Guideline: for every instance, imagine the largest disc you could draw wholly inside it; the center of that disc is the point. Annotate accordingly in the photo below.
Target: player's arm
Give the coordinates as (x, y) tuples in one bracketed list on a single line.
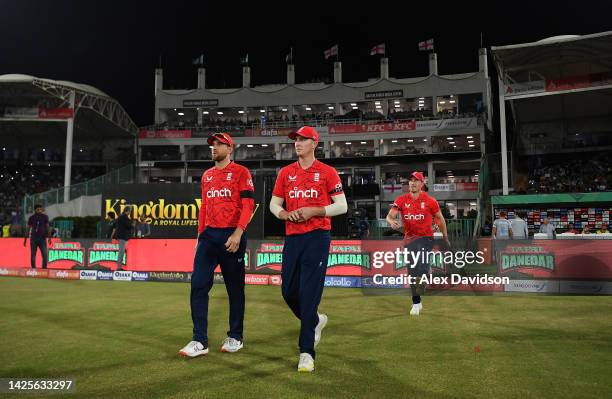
[(247, 200), (49, 232), (276, 203), (392, 219), (510, 231), (27, 234), (202, 214), (441, 222), (276, 207), (493, 232)]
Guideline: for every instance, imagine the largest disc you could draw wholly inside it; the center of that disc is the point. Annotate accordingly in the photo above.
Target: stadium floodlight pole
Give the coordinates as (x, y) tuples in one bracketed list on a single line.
[(502, 131), (69, 139)]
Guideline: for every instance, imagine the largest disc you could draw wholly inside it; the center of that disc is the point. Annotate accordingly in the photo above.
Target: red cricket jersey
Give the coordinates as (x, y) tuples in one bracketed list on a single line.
[(417, 214), (227, 197), (305, 188)]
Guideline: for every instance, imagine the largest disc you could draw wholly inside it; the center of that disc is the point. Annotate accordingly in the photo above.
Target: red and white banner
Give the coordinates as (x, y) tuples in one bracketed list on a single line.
[(378, 49), (276, 280), (426, 45), (164, 134), (55, 113), (256, 279), (373, 127), (270, 132), (467, 186), (393, 188), (579, 81), (405, 126), (456, 187), (65, 274), (331, 51)]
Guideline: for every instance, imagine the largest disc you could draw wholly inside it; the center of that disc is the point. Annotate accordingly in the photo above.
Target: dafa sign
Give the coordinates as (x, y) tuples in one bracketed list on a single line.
[(342, 255), (171, 210), (529, 259)]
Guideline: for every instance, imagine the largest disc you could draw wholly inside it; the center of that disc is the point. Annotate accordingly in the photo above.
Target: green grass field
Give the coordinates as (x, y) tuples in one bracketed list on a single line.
[(121, 340)]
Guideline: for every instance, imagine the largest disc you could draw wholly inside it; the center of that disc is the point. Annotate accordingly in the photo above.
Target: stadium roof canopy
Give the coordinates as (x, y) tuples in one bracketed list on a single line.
[(555, 65), (28, 103), (564, 77), (91, 105)]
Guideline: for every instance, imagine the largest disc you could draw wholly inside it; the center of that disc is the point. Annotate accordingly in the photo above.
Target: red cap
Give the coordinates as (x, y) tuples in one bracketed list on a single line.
[(418, 176), (306, 132), (222, 137)]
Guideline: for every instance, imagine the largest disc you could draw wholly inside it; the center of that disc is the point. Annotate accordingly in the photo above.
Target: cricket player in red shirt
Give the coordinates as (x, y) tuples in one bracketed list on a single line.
[(417, 210), (227, 207), (312, 193)]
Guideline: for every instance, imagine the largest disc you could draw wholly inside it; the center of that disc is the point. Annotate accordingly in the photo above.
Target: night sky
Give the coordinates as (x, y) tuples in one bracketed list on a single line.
[(115, 45)]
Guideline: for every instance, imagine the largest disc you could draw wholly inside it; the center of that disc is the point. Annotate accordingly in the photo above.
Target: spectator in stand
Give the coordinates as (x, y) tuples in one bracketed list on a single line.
[(603, 229), (519, 227), (571, 229), (502, 230), (111, 219), (586, 229), (143, 229), (548, 228)]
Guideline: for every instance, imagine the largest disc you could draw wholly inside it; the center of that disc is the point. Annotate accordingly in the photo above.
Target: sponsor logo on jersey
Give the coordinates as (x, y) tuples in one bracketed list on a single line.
[(292, 178), (414, 217), (222, 193), (297, 194)]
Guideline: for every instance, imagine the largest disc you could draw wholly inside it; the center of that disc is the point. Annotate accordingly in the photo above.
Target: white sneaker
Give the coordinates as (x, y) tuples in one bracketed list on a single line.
[(306, 364), (193, 349), (231, 345), (319, 328), (416, 309)]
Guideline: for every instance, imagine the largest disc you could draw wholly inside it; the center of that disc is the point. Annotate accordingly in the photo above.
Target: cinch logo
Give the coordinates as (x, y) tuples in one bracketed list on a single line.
[(413, 217), (223, 193), (297, 194)]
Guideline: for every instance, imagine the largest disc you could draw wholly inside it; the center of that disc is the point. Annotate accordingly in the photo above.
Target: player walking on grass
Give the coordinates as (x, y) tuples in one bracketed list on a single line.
[(312, 193), (417, 209), (227, 207)]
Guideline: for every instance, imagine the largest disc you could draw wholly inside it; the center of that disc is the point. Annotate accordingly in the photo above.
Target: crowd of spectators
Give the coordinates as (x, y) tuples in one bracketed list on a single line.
[(18, 180), (572, 175), (315, 118)]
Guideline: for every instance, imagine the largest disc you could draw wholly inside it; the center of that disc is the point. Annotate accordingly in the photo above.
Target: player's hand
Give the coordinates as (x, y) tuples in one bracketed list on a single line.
[(447, 242), (233, 242), (306, 212), (395, 225), (25, 241), (295, 216), (49, 241)]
